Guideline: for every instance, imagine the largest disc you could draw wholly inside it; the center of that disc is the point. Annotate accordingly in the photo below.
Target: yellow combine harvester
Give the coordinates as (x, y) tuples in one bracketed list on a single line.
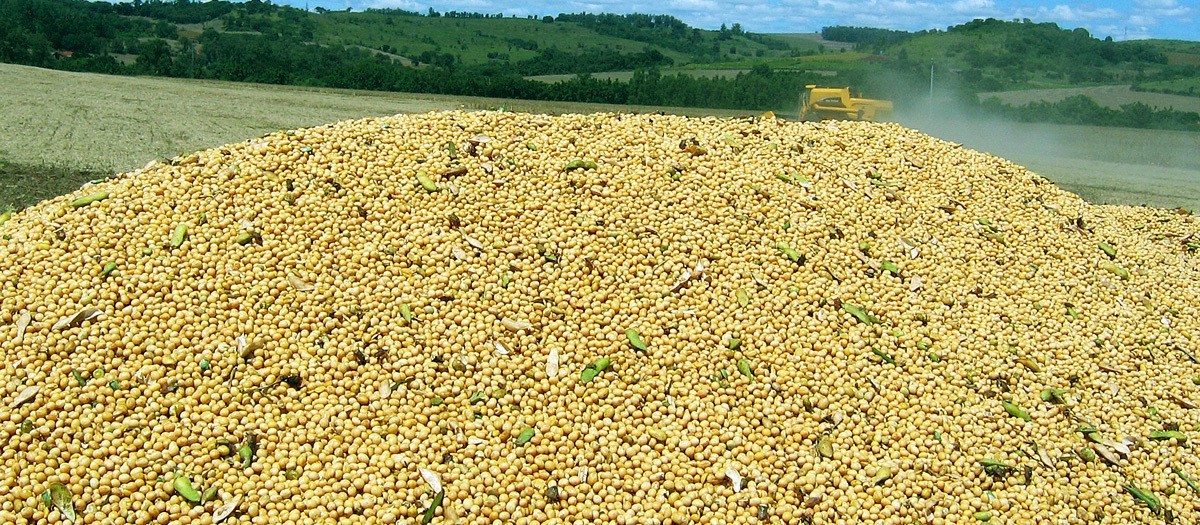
[(836, 103)]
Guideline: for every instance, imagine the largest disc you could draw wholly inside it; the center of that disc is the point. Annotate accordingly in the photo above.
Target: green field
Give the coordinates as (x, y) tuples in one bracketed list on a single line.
[(62, 129), (1108, 96)]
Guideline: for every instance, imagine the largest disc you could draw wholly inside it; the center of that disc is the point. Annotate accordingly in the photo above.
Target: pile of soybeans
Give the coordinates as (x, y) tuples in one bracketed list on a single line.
[(504, 318)]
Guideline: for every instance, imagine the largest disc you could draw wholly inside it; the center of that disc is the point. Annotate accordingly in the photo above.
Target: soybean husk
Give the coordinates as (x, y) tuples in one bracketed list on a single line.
[(58, 496), (225, 511), (88, 199), (1015, 411), (635, 339), (1146, 497), (183, 486), (108, 268), (427, 517), (406, 312), (178, 236), (23, 321)]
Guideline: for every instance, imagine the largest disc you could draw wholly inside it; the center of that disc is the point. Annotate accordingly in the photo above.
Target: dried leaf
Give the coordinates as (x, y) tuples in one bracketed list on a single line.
[(552, 363), (915, 284), (458, 253), (299, 284), (681, 281), (1106, 453), (743, 297), (58, 496), (225, 511), (473, 242), (432, 478), (23, 321), (515, 325), (735, 478), (247, 347), (26, 395), (500, 348), (78, 318)]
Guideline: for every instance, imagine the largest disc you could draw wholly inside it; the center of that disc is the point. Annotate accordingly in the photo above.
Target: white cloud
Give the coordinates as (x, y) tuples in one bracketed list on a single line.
[(973, 7)]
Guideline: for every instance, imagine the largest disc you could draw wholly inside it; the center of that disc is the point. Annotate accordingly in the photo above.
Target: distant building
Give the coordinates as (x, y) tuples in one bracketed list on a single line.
[(59, 55)]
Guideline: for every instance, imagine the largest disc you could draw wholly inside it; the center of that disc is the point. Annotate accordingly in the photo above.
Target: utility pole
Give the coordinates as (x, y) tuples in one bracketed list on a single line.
[(931, 82)]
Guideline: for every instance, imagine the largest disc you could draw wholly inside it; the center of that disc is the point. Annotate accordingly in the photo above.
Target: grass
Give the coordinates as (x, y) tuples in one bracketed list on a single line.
[(59, 129)]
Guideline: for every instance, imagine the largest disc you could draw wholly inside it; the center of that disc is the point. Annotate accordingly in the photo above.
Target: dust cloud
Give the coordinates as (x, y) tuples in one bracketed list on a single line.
[(1103, 165)]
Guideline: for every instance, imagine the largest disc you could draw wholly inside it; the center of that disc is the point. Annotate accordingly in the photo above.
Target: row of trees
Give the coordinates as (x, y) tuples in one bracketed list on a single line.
[(1082, 109)]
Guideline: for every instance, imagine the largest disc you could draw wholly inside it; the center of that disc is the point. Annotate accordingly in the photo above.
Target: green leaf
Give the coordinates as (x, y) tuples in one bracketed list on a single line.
[(1146, 497), (635, 339), (427, 517), (743, 297), (1185, 478), (883, 355), (248, 449), (860, 313), (406, 312), (108, 268), (526, 435)]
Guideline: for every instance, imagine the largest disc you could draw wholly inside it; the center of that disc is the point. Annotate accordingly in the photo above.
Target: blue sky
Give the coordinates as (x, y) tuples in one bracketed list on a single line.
[(1130, 19)]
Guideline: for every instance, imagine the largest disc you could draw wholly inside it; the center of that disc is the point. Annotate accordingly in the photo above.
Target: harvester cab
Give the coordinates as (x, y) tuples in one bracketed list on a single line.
[(836, 103)]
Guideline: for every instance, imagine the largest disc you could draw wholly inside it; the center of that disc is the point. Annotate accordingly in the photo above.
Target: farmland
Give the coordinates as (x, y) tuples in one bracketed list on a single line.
[(1108, 96)]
